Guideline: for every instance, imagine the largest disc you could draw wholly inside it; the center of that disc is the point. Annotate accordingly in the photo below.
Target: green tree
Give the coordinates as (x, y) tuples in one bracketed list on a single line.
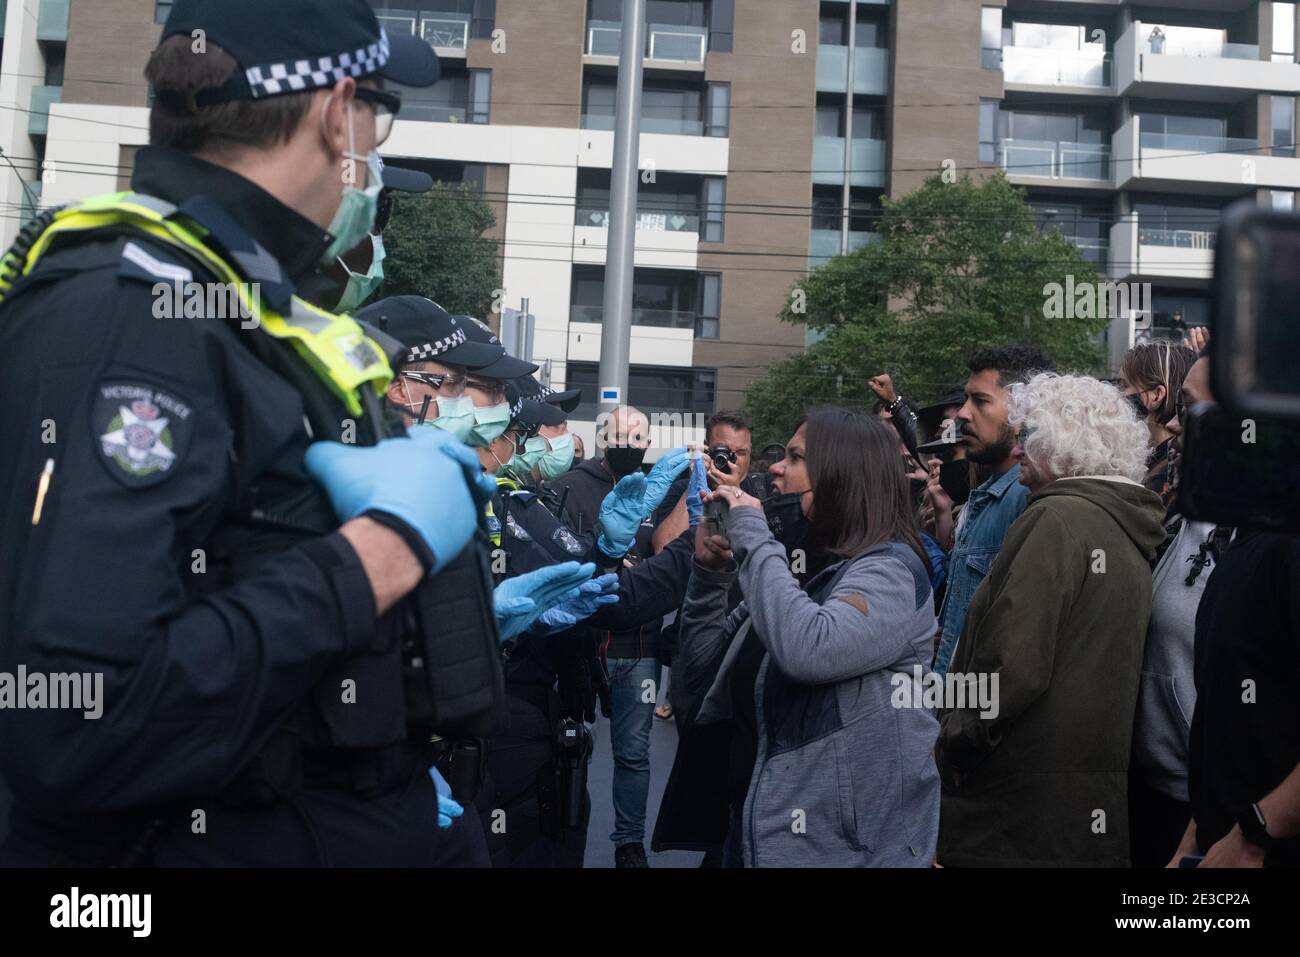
[(436, 248), (959, 266)]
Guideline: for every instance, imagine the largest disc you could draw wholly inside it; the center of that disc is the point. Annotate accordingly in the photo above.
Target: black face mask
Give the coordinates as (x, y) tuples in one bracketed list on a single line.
[(917, 488), (786, 519), (623, 459), (1138, 407), (954, 478)]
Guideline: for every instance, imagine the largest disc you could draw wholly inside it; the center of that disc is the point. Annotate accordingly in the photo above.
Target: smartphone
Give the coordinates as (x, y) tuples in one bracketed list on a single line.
[(1239, 470), (716, 514)]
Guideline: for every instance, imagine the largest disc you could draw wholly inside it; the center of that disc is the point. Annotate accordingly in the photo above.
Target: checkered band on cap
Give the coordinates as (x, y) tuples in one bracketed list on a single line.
[(546, 393), (431, 349), (301, 75), (517, 406)]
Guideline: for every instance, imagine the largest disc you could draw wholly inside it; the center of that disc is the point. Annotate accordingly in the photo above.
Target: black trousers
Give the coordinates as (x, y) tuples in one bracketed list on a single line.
[(1156, 823), (318, 828)]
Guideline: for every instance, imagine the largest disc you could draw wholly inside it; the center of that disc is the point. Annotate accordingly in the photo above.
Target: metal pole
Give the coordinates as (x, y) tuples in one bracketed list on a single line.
[(521, 333), (848, 130), (616, 324)]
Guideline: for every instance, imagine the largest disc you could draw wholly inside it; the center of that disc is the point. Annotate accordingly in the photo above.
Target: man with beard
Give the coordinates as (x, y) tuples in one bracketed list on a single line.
[(993, 506)]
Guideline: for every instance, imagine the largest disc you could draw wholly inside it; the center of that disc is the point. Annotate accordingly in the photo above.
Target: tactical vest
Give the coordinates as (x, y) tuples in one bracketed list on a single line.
[(432, 669)]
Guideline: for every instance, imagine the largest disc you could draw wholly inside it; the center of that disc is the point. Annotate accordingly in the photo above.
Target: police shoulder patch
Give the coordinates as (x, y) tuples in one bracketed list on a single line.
[(516, 529), (143, 432), (567, 540)]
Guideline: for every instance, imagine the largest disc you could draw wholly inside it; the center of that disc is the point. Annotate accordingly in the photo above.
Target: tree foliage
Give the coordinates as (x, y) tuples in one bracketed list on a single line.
[(436, 248), (959, 266)]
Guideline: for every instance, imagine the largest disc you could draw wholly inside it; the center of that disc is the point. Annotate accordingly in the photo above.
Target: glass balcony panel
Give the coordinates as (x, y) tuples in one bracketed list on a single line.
[(1056, 160), (449, 30), (871, 71), (43, 97), (1045, 67), (661, 318), (1178, 238), (1189, 143), (663, 41), (647, 221)]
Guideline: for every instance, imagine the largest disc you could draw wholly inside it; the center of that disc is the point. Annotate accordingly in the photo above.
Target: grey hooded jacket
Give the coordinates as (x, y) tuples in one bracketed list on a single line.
[(843, 778)]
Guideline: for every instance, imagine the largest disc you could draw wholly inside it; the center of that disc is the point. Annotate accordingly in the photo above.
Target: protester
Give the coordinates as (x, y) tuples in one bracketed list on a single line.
[(1150, 376), (1158, 801), (1058, 624), (1244, 748), (804, 674), (990, 509)]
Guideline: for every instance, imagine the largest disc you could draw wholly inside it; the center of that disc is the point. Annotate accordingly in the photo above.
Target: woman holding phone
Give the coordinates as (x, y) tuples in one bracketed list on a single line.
[(829, 763)]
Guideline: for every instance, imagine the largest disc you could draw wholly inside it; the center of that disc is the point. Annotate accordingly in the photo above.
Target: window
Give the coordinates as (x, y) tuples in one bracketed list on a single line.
[(833, 31), (1284, 32), (710, 306), (991, 38), (55, 56), (868, 123), (717, 109), (1282, 199), (162, 9), (650, 388), (713, 209), (480, 95), (989, 131), (828, 120), (870, 33), (826, 207), (1283, 126)]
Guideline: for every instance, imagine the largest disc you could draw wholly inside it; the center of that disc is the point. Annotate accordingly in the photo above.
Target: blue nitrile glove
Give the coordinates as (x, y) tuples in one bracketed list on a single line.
[(431, 482), (670, 465), (699, 482), (447, 808), (621, 514), (520, 600), (591, 595)]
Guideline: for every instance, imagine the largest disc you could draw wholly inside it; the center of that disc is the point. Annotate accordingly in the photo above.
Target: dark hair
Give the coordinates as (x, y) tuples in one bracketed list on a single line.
[(176, 72), (860, 491), (725, 417), (1015, 363)]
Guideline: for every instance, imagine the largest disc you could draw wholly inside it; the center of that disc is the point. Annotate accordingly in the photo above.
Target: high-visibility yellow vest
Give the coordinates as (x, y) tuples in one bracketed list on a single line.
[(335, 347)]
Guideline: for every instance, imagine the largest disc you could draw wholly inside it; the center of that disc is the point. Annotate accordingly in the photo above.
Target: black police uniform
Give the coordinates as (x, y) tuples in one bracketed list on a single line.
[(212, 592)]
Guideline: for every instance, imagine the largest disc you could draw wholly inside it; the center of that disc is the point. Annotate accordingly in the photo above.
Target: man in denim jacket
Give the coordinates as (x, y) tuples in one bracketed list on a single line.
[(994, 505)]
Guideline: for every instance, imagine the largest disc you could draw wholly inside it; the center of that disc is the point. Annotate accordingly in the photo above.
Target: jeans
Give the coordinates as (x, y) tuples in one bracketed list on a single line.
[(632, 712)]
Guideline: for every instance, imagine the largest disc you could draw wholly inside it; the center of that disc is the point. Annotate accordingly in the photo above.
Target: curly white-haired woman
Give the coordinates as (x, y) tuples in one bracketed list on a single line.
[(1041, 777)]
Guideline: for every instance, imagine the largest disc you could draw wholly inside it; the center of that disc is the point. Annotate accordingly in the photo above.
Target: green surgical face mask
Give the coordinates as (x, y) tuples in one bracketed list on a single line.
[(490, 423), (355, 217), (360, 287), (534, 449), (558, 457)]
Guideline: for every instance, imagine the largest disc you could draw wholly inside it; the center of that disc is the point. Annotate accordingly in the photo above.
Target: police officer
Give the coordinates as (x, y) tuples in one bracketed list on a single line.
[(208, 512)]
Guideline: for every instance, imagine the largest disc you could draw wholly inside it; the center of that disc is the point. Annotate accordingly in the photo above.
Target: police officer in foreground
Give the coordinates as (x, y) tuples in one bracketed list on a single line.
[(211, 512)]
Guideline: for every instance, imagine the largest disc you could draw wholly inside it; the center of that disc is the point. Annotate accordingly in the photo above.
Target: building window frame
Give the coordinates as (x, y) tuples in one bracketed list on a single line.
[(708, 306), (717, 109)]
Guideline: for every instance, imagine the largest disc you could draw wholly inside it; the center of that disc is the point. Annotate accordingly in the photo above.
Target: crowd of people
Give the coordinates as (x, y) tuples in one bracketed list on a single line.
[(356, 592)]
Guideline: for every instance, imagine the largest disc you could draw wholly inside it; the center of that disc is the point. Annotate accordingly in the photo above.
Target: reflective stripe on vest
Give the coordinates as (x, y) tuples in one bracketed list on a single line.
[(335, 347)]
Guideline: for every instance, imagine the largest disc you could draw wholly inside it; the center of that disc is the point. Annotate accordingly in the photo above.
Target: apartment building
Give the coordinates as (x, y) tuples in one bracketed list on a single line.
[(770, 131)]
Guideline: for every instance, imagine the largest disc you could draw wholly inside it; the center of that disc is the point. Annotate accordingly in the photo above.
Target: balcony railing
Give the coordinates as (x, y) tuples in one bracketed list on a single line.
[(43, 97), (662, 318), (870, 70), (1189, 143), (1046, 67), (1059, 160), (444, 30), (650, 123), (1177, 238), (1196, 42), (52, 21), (647, 221), (663, 42)]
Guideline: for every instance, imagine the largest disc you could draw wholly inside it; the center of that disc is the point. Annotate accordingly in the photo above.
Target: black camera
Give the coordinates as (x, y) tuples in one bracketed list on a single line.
[(723, 458)]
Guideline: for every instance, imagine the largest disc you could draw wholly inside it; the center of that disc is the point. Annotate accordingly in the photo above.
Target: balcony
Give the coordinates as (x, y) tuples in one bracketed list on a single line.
[(1041, 66), (647, 221), (446, 32), (659, 318), (31, 202), (673, 125), (868, 162), (1210, 165), (43, 97), (1196, 64), (664, 43), (1043, 159), (1160, 253), (52, 21), (870, 70)]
